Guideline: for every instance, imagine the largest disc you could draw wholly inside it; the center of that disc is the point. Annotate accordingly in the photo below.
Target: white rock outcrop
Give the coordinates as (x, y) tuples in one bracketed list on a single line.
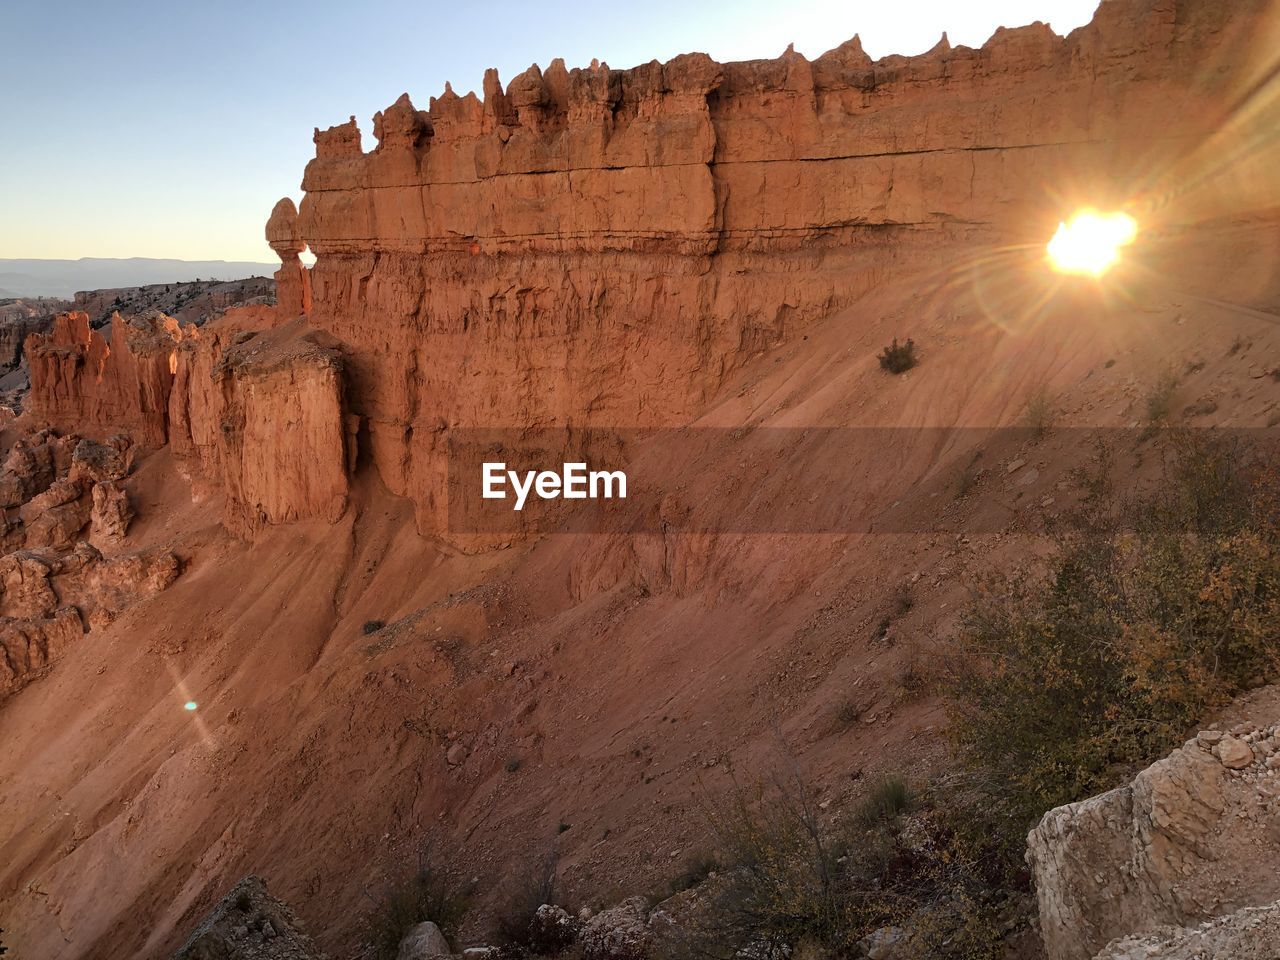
[(1195, 836)]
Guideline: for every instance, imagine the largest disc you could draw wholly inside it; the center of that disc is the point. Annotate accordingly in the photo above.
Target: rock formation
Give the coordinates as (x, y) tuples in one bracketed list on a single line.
[(84, 382), (684, 216), (1191, 838), (249, 924), (64, 501), (1250, 934), (18, 320), (258, 416), (197, 301), (602, 247), (293, 282)]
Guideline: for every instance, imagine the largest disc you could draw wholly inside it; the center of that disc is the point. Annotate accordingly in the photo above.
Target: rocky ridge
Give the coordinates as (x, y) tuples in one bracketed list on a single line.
[(1192, 838), (249, 924)]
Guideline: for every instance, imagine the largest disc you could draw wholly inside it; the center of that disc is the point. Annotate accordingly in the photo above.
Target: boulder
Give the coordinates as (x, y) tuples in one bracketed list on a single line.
[(619, 933), (1234, 754), (424, 942), (1191, 838)]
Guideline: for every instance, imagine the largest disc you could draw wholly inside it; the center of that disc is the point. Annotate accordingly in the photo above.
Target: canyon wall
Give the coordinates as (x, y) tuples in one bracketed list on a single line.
[(251, 410), (602, 247), (258, 415)]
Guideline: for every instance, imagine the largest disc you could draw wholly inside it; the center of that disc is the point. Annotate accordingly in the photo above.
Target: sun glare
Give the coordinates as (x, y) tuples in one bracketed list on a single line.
[(1090, 242)]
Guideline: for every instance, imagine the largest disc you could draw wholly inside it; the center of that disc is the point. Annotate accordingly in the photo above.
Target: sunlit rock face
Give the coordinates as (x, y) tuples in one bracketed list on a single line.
[(100, 384), (599, 247), (602, 246), (256, 414)]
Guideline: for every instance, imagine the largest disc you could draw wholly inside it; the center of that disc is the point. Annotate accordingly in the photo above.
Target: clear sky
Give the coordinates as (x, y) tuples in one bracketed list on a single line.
[(169, 129)]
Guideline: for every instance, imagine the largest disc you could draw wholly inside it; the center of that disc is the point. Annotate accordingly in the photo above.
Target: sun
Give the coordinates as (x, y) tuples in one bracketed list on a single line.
[(1090, 242)]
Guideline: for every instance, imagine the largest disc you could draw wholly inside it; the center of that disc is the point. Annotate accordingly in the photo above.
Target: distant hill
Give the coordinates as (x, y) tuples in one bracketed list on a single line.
[(63, 278), (7, 294)]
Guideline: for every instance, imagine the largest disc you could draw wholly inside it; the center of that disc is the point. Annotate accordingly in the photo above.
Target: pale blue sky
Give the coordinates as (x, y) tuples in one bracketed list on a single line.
[(140, 128)]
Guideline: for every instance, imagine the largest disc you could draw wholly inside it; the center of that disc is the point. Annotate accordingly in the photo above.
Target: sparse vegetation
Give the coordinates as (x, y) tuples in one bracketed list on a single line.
[(912, 680), (517, 929), (1152, 613), (372, 626), (1159, 399), (848, 712), (900, 603), (427, 894), (791, 875), (513, 764), (886, 800), (898, 358), (1040, 412)]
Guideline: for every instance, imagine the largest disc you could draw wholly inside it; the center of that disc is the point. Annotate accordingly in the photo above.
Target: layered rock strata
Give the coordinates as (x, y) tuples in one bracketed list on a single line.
[(602, 247)]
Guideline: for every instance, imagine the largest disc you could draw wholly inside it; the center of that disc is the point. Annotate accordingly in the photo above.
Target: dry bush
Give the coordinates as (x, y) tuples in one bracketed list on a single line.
[(518, 930), (1041, 412), (1159, 399), (427, 894), (1152, 613), (898, 357), (793, 880)]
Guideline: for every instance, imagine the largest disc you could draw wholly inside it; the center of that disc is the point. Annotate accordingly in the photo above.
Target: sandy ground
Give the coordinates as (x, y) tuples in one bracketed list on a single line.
[(594, 691)]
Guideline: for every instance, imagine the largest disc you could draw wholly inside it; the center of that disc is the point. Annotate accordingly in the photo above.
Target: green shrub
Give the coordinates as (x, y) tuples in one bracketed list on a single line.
[(887, 800), (427, 894), (898, 358), (1152, 613)]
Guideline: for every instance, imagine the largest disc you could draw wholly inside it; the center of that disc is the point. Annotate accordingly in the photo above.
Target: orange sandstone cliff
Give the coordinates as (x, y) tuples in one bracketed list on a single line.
[(600, 246)]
